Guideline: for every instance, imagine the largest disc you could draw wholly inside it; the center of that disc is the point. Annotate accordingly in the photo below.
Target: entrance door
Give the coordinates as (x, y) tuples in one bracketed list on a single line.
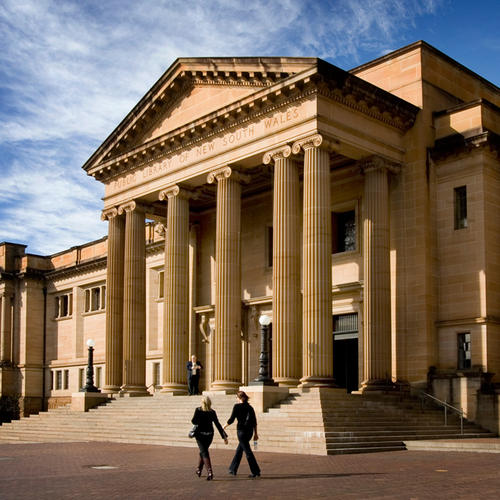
[(345, 351)]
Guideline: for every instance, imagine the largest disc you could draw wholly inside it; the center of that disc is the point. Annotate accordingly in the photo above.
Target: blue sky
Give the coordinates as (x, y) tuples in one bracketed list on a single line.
[(71, 70)]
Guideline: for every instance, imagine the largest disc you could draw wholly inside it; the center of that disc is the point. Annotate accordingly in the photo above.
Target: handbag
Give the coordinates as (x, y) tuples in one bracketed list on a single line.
[(192, 432)]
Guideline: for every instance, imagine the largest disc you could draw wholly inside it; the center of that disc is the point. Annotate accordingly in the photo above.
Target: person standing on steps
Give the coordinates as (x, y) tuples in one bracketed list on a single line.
[(193, 375), (246, 427), (204, 417)]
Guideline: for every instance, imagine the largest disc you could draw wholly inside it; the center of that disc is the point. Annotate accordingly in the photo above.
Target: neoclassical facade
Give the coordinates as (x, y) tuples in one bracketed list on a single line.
[(359, 209)]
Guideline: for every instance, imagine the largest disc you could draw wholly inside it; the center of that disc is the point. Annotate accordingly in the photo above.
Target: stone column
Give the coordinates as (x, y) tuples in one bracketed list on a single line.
[(134, 301), (6, 325), (176, 316), (317, 338), (377, 277), (114, 300), (193, 272), (286, 268), (226, 370)]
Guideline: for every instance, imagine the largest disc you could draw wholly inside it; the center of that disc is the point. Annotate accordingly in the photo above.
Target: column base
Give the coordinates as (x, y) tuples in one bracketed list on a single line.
[(378, 385), (287, 382), (134, 391), (317, 382), (111, 389), (227, 386), (268, 382), (174, 389)]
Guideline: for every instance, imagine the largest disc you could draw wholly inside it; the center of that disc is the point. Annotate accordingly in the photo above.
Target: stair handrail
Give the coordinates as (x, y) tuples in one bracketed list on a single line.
[(446, 406)]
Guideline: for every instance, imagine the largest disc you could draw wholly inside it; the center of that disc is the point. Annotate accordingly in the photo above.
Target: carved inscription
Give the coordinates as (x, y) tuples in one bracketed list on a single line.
[(197, 153), (281, 119)]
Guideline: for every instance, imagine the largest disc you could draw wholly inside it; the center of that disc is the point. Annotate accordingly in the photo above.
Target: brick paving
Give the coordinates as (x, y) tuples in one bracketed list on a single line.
[(64, 470)]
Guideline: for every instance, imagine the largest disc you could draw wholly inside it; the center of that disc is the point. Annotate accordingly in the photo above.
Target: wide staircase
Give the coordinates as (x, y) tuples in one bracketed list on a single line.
[(318, 421)]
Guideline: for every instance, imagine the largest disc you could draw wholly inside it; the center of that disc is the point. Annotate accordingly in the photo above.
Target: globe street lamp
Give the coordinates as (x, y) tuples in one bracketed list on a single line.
[(264, 378), (89, 386)]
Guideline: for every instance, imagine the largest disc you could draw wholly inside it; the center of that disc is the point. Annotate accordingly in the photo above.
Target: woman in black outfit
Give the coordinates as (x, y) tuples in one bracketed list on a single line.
[(247, 426), (204, 417)]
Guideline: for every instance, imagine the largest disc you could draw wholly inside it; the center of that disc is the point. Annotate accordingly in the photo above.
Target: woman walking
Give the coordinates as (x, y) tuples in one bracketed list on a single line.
[(246, 427), (204, 417)]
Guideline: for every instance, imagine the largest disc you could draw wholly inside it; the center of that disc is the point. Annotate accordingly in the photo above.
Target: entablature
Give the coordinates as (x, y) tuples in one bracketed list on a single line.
[(322, 79)]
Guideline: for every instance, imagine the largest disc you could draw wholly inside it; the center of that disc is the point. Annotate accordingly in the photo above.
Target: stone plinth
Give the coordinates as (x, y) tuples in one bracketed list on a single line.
[(263, 397), (83, 401), (7, 381)]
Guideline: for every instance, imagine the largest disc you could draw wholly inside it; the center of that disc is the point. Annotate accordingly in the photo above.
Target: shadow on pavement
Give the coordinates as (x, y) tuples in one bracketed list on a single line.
[(295, 476)]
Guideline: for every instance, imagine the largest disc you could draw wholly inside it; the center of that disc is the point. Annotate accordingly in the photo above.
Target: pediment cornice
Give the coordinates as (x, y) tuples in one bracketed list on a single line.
[(183, 75), (321, 79)]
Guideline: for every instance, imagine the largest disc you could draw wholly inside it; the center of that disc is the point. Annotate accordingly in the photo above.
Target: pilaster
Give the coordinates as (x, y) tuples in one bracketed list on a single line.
[(286, 268), (6, 296)]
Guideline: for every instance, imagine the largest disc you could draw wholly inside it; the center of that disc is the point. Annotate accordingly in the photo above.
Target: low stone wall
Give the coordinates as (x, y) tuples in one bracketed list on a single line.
[(58, 402), (488, 411)]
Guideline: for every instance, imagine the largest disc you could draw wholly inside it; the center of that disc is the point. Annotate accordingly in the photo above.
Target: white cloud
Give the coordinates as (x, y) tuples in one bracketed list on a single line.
[(70, 71)]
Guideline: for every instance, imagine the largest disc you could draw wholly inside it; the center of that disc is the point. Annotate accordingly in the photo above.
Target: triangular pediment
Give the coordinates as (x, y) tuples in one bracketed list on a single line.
[(189, 89), (196, 102)]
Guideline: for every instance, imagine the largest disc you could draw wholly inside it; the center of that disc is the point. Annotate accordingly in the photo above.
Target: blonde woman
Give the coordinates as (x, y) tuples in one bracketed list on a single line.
[(204, 417)]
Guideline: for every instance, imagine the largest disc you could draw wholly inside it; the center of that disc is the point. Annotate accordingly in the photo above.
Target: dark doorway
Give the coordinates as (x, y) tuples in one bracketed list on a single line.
[(345, 351)]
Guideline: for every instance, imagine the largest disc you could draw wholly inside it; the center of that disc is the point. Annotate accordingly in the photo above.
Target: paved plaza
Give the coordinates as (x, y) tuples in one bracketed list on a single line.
[(125, 471)]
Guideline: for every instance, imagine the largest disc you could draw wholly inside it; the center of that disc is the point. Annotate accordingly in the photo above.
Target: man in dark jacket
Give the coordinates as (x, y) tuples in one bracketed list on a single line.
[(193, 375)]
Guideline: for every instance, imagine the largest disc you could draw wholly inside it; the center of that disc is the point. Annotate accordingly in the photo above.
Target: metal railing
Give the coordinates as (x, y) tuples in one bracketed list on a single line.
[(446, 407)]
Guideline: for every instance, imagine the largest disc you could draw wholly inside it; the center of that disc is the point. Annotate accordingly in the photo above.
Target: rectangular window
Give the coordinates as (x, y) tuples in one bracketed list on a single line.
[(345, 326), (461, 207), (95, 299), (66, 379), (343, 231), (51, 380), (58, 380), (156, 374), (64, 305), (81, 374), (161, 284), (98, 375), (269, 245), (464, 354)]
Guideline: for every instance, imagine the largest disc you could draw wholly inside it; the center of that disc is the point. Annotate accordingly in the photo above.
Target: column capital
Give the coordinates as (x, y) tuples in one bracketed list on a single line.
[(314, 141), (275, 154), (225, 173), (131, 206), (373, 163), (176, 191), (109, 213)]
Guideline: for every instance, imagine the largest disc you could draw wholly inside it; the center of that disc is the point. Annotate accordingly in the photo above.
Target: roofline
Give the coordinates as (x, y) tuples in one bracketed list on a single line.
[(431, 48), (171, 71)]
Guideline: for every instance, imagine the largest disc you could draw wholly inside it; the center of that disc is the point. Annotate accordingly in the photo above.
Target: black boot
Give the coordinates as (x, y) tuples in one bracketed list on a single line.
[(208, 465), (200, 466)]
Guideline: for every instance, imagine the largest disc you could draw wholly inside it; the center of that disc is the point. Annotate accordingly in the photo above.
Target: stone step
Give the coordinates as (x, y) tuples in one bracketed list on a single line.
[(307, 422)]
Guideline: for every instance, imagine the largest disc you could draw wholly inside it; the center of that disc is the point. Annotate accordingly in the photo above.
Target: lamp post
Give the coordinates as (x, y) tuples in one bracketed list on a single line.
[(264, 378), (89, 386)]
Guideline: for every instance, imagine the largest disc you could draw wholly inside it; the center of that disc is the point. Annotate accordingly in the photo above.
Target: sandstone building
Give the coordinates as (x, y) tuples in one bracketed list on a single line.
[(359, 209)]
